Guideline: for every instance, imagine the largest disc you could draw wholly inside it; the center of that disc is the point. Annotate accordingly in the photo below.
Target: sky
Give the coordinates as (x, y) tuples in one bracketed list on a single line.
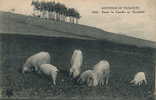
[(140, 25)]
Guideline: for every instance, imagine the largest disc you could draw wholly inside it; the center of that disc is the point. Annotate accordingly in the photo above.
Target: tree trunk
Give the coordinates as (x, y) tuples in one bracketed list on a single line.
[(70, 20), (154, 58), (57, 16), (73, 20), (77, 21), (155, 81)]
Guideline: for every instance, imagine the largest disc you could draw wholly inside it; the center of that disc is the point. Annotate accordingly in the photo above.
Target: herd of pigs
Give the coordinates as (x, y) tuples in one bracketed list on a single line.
[(98, 75)]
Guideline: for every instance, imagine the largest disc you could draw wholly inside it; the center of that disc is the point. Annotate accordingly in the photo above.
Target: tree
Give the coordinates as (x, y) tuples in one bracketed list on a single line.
[(42, 8), (69, 14), (51, 9), (62, 12), (73, 14), (36, 5), (57, 11), (77, 16)]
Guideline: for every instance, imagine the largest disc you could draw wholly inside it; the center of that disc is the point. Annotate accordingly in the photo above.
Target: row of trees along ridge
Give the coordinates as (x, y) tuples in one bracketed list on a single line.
[(55, 11)]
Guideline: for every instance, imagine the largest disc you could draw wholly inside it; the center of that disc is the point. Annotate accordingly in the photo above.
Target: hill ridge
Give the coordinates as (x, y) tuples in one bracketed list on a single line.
[(28, 25)]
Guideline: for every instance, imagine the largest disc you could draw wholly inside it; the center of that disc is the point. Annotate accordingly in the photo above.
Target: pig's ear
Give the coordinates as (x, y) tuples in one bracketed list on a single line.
[(23, 72), (89, 81), (57, 70), (132, 81)]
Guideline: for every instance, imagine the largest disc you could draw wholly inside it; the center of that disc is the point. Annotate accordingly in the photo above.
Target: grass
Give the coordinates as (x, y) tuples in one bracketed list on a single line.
[(125, 61)]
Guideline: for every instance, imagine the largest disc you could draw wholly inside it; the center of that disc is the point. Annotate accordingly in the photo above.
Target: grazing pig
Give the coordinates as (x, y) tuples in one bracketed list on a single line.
[(89, 77), (102, 70), (35, 61), (139, 79), (76, 62), (98, 76), (49, 70)]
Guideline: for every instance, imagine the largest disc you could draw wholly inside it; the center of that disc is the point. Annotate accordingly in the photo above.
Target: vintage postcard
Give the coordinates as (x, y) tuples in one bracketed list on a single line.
[(78, 49)]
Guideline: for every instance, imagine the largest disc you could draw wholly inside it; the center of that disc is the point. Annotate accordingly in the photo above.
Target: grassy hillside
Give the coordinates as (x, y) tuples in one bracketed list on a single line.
[(21, 24), (124, 64), (21, 36)]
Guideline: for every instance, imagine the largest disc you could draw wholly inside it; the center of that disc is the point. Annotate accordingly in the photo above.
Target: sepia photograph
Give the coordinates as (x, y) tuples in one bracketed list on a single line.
[(78, 49)]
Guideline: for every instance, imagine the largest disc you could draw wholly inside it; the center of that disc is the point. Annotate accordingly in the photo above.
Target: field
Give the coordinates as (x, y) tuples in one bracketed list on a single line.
[(125, 62)]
